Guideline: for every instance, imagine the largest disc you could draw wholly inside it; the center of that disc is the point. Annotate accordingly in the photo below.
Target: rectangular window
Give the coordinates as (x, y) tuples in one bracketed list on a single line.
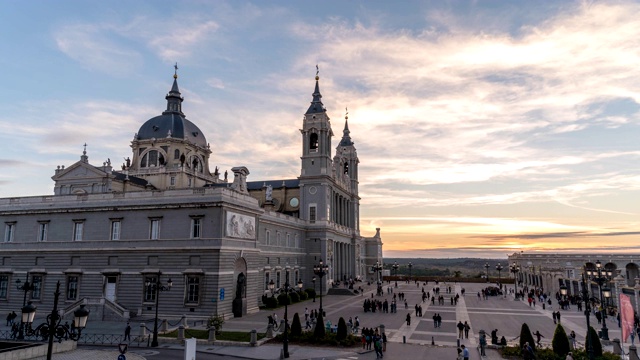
[(268, 240), (9, 230), (173, 181), (193, 289), (78, 229), (115, 230), (297, 241), (37, 287), (4, 285), (149, 294), (42, 231), (278, 241), (266, 281), (72, 287), (195, 228), (278, 280), (312, 214), (154, 233)]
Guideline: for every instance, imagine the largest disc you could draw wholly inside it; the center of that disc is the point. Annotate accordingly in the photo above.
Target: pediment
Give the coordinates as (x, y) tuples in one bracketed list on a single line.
[(79, 170)]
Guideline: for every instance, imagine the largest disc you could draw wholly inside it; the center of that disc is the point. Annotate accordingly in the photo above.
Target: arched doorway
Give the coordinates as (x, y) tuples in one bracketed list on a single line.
[(631, 274)]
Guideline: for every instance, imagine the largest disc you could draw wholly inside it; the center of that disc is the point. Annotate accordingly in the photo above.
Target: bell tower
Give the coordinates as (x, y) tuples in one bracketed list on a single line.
[(316, 137)]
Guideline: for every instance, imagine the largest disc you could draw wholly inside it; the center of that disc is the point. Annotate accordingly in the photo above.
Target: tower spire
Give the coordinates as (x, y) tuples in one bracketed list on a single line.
[(174, 98), (346, 137), (316, 103)]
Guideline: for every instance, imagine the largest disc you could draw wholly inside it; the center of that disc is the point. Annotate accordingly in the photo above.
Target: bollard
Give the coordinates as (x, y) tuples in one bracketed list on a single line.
[(617, 349), (212, 334), (633, 353), (433, 341), (184, 321), (404, 339), (164, 327), (143, 330), (269, 331), (254, 337), (180, 333), (457, 342)]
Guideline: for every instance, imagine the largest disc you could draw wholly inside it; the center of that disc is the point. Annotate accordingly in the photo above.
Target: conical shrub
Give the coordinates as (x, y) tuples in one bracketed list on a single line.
[(560, 342), (296, 327), (526, 337), (342, 330), (319, 331), (592, 338)]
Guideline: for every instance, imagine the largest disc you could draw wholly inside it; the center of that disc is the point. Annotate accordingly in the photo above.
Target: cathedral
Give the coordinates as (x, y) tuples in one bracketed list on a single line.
[(164, 217)]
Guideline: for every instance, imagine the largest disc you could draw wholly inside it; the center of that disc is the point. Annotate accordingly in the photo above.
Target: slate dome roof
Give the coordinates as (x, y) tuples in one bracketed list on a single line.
[(158, 127)]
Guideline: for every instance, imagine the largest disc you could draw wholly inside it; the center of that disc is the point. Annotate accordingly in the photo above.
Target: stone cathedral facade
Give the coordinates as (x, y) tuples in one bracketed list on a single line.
[(164, 214)]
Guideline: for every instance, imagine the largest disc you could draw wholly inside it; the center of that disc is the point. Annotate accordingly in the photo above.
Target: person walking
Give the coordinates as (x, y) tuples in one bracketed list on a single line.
[(527, 352), (408, 319), (483, 343), (127, 332), (465, 352), (572, 337), (467, 327), (538, 337)]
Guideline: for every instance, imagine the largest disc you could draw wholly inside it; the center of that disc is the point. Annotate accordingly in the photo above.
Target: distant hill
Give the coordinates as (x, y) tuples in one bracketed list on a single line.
[(468, 267)]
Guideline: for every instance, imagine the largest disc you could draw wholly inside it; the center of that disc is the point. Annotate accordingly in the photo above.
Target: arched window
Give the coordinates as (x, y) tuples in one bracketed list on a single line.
[(313, 142), (346, 168), (176, 154), (151, 159)]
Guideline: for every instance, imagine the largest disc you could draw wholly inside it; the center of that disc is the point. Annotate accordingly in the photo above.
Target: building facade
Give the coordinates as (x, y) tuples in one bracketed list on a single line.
[(550, 271), (106, 232)]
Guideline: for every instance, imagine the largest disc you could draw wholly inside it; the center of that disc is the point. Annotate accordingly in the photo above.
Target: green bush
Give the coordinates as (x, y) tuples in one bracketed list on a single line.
[(341, 334), (592, 337), (272, 302), (560, 342), (284, 299), (296, 327), (295, 297), (526, 337), (303, 295), (311, 293), (319, 331)]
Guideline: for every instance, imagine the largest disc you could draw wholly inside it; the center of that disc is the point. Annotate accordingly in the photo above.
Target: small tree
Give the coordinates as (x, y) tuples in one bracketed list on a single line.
[(272, 302), (526, 337), (294, 296), (296, 327), (319, 331), (560, 342), (592, 337), (215, 322), (342, 330), (311, 293)]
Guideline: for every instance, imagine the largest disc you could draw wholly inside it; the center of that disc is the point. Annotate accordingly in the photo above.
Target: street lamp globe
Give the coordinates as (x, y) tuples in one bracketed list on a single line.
[(28, 313), (299, 284), (563, 290), (80, 317), (271, 285)]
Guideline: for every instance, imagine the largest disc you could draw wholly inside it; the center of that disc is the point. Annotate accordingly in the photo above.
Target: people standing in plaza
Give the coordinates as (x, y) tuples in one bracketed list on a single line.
[(527, 352), (408, 319), (572, 338), (467, 327), (459, 357), (558, 316), (483, 343), (460, 327), (306, 314)]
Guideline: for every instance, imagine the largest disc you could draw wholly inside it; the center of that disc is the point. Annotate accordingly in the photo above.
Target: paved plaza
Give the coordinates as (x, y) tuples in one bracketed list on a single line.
[(419, 340)]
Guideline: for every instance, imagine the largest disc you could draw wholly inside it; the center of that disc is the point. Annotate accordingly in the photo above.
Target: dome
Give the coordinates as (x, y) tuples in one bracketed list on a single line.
[(172, 125)]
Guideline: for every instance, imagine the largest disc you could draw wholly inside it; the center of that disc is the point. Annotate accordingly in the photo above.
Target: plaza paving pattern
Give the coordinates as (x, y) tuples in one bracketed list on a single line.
[(423, 340)]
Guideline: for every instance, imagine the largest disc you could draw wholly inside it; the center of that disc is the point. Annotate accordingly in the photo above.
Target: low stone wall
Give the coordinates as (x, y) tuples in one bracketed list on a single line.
[(38, 351)]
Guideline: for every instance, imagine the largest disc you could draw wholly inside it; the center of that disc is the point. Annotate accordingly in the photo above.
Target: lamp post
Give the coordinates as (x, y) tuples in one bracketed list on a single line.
[(377, 268), (515, 269), (602, 276), (285, 340), (587, 311), (395, 267), (157, 287), (410, 266), (321, 270), (499, 268), (52, 328), (26, 287), (313, 280), (487, 266)]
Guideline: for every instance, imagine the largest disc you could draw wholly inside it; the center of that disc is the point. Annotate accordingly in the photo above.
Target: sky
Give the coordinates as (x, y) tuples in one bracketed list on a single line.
[(483, 128)]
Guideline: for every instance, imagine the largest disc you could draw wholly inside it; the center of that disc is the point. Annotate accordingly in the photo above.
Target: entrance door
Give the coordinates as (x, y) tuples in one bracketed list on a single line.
[(110, 288)]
